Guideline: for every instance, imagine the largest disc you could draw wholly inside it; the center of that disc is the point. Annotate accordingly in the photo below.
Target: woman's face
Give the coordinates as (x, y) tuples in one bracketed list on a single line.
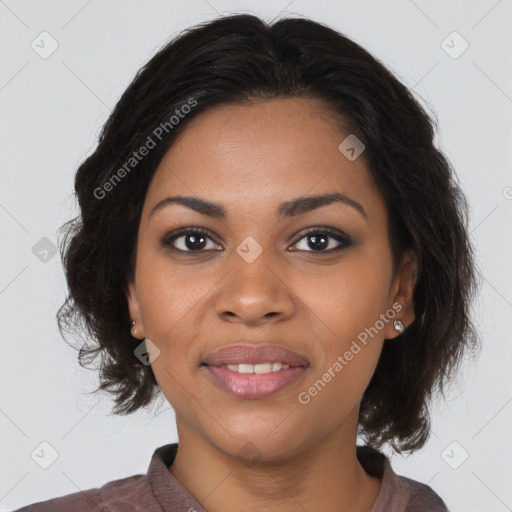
[(265, 273)]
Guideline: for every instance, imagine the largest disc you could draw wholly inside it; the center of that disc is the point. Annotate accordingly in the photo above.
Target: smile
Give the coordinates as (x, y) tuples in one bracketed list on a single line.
[(256, 368)]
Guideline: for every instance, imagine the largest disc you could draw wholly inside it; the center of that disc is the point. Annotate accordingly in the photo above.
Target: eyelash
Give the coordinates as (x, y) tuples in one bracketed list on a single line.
[(168, 240)]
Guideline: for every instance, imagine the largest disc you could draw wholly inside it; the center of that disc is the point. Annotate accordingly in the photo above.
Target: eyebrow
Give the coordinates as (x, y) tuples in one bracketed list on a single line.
[(290, 208)]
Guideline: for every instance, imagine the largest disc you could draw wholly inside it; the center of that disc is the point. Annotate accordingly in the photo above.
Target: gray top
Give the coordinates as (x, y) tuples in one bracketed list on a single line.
[(160, 491)]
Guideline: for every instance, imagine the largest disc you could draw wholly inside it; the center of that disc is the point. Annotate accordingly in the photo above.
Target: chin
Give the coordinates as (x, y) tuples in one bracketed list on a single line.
[(253, 445)]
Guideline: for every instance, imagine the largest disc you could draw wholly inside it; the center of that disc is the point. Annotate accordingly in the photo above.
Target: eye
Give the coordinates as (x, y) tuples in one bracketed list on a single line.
[(190, 240), (194, 239), (320, 239)]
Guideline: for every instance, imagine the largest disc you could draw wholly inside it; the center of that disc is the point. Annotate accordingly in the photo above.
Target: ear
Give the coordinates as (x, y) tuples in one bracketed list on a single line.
[(402, 294), (134, 308)]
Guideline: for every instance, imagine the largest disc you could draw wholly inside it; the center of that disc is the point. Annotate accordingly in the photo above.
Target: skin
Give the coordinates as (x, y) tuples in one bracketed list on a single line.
[(252, 158)]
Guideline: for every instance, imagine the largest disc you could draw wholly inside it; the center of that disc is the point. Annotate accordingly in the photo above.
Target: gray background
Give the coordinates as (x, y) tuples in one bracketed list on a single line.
[(51, 112)]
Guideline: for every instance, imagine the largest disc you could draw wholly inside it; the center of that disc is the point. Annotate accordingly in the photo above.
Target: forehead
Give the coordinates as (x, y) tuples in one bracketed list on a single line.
[(260, 153)]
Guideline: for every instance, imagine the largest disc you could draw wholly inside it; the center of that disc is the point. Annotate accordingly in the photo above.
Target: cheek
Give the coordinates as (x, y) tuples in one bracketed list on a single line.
[(348, 308), (348, 300), (169, 301), (348, 305), (168, 294), (168, 305)]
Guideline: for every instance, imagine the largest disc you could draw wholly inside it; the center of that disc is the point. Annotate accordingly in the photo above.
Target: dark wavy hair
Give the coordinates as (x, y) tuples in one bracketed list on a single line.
[(233, 60)]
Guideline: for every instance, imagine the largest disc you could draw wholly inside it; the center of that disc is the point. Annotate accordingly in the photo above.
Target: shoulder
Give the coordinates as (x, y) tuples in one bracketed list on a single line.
[(79, 501), (116, 496), (137, 493), (422, 498), (398, 493)]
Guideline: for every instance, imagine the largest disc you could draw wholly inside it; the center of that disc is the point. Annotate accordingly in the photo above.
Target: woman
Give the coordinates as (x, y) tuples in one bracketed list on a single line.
[(268, 235)]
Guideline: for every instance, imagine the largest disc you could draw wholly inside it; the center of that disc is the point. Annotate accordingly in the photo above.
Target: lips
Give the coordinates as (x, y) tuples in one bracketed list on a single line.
[(255, 386), (254, 354)]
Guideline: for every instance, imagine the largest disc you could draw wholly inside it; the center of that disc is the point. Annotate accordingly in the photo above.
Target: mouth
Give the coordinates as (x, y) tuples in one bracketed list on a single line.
[(254, 372), (259, 368)]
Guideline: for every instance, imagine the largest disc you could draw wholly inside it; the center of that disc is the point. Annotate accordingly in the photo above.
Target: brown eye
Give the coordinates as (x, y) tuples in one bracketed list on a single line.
[(321, 240), (190, 240)]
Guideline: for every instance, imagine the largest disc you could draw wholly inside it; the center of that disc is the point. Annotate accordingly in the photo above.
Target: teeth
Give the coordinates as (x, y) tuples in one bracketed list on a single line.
[(257, 368)]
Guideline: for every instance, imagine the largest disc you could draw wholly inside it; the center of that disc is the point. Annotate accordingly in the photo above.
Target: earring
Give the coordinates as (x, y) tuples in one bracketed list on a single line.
[(133, 329), (399, 326)]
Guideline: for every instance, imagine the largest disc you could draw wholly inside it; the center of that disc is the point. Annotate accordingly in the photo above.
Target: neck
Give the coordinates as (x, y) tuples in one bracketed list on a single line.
[(325, 476)]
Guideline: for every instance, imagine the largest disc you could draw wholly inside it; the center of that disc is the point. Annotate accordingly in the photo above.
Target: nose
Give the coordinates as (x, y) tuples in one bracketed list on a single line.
[(255, 293)]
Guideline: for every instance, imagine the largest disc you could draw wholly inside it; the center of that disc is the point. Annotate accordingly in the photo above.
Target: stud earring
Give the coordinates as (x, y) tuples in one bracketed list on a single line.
[(399, 326), (133, 329)]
